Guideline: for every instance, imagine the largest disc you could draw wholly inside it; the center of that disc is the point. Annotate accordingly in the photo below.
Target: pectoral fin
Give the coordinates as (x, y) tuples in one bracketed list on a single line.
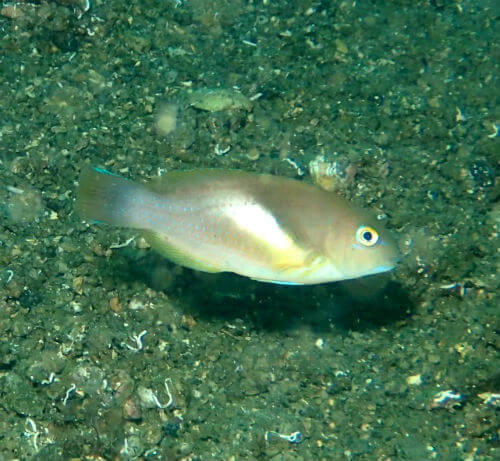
[(295, 268)]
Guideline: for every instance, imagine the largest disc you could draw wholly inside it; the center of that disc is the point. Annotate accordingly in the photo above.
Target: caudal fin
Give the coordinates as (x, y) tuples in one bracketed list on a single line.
[(104, 197)]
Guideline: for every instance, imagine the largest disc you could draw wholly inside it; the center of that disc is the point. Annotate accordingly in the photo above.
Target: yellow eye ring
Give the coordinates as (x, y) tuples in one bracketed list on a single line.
[(367, 236)]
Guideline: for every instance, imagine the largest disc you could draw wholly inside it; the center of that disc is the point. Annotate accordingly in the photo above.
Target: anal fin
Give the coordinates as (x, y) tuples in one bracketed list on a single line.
[(174, 254)]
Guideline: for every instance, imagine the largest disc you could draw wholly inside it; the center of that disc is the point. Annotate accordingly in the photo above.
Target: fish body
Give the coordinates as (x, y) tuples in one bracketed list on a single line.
[(261, 226)]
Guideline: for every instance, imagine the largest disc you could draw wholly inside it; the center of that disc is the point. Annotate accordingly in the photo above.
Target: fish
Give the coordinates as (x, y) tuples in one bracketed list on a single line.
[(265, 227)]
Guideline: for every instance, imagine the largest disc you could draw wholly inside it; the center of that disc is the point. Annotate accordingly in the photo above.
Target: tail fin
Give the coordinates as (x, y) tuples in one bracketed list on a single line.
[(104, 197)]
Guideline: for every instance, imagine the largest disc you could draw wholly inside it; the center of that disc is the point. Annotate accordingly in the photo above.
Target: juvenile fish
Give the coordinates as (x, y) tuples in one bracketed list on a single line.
[(268, 228)]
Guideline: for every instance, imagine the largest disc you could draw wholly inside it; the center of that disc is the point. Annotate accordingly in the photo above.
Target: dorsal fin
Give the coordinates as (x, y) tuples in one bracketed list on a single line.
[(173, 180)]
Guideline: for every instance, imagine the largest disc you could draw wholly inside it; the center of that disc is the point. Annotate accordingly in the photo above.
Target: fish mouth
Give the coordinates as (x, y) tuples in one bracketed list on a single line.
[(396, 259), (388, 266), (380, 269)]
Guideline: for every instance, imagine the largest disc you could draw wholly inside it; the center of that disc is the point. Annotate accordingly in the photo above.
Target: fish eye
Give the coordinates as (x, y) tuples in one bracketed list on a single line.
[(367, 236)]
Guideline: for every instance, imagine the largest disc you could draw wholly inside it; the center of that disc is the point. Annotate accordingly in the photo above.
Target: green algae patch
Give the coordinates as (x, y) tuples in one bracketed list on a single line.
[(218, 99)]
